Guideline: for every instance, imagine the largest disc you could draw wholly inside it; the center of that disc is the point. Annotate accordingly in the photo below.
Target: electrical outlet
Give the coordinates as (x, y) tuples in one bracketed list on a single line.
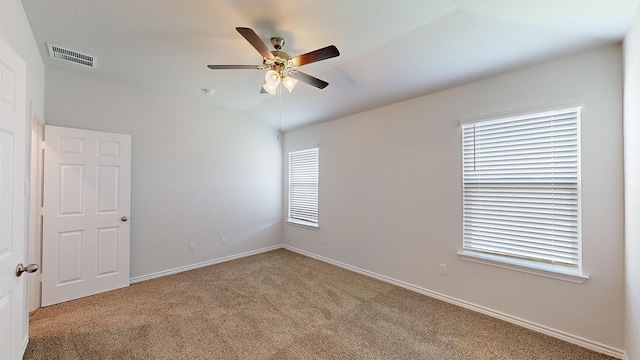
[(443, 269), (223, 240), (192, 246)]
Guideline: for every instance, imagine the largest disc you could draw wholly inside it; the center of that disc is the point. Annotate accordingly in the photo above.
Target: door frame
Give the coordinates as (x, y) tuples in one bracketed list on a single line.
[(36, 183)]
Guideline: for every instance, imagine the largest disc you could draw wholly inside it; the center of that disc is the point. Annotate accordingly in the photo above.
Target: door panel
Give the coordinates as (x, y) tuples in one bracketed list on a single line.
[(86, 194), (6, 319), (14, 326), (108, 189), (70, 257), (107, 251), (71, 190), (6, 192)]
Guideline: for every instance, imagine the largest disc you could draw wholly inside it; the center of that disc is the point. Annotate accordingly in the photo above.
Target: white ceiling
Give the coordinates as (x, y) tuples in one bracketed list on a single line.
[(390, 50)]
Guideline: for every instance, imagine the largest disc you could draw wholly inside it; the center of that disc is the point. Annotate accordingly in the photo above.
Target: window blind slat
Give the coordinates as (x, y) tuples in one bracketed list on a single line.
[(303, 185), (547, 250), (520, 187)]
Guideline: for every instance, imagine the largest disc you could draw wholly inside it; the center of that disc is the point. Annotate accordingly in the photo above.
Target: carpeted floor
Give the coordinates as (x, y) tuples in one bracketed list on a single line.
[(278, 305)]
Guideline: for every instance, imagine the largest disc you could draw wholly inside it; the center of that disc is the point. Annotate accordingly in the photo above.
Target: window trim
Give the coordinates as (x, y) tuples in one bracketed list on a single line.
[(552, 271), (556, 271), (299, 222), (303, 224)]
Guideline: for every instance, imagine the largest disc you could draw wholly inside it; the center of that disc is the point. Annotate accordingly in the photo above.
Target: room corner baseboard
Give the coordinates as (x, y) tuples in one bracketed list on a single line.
[(25, 343), (577, 340), (158, 274)]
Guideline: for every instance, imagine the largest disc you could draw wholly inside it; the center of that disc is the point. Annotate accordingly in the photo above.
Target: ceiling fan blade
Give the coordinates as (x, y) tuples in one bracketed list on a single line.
[(317, 55), (255, 41), (262, 90), (234, 67), (311, 80)]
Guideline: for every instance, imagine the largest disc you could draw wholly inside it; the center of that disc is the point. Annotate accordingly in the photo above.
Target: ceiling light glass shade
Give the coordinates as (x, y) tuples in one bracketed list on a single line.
[(271, 89), (272, 78), (290, 83)]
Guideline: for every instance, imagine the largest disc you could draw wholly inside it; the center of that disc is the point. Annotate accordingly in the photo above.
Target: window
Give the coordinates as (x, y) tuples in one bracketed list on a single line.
[(303, 187), (521, 193)]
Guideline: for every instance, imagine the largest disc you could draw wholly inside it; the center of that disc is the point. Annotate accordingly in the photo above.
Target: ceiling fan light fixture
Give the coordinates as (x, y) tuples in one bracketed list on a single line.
[(272, 78), (271, 89), (290, 83)]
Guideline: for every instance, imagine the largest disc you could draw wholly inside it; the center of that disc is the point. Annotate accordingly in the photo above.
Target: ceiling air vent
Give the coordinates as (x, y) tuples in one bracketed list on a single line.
[(71, 55)]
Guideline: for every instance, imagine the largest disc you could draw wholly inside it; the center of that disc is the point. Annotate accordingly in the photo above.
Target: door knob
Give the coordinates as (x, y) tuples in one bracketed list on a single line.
[(124, 218), (31, 268)]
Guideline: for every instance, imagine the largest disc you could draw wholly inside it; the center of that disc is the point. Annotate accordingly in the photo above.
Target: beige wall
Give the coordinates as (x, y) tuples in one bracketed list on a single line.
[(632, 186), (199, 172), (390, 196)]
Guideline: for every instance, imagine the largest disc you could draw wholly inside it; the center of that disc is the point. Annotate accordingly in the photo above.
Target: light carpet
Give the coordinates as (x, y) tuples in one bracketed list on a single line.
[(278, 305)]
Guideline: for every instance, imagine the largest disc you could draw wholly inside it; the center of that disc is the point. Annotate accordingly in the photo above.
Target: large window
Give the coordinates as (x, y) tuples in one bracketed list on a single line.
[(521, 190), (303, 187)]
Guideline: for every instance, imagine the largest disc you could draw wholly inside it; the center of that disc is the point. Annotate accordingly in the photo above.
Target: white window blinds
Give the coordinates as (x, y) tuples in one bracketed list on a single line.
[(521, 187), (303, 187)]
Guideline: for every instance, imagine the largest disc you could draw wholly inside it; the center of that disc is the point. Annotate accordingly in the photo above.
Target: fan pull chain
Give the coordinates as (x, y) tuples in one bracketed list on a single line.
[(279, 90)]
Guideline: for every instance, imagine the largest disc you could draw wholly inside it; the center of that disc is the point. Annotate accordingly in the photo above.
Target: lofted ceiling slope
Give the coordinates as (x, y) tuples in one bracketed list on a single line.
[(390, 50)]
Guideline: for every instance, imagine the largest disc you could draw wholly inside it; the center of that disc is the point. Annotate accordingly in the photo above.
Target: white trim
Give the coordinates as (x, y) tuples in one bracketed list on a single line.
[(24, 345), (577, 340), (35, 207), (579, 154), (625, 356), (304, 224), (521, 112), (529, 267), (180, 269), (302, 147)]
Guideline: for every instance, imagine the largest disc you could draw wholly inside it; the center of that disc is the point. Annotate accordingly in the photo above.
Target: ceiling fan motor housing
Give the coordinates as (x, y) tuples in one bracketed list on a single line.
[(277, 42)]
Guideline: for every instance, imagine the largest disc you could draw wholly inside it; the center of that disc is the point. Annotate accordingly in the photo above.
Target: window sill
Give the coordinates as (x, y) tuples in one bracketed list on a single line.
[(529, 267), (303, 224)]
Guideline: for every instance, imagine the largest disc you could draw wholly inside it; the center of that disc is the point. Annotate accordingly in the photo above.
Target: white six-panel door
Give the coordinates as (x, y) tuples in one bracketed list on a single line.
[(14, 326), (85, 240)]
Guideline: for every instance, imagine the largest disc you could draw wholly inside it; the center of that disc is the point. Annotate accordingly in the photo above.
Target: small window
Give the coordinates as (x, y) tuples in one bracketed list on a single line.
[(521, 192), (303, 187)]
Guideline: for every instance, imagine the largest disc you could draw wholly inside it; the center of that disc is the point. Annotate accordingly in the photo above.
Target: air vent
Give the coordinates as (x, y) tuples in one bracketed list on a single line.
[(71, 55)]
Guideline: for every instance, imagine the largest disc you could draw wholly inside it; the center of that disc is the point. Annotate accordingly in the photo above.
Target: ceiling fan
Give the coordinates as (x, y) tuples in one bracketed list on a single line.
[(282, 68)]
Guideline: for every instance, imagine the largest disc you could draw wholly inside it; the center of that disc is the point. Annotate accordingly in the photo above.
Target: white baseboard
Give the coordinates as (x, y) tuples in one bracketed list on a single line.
[(24, 345), (577, 340), (141, 278)]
